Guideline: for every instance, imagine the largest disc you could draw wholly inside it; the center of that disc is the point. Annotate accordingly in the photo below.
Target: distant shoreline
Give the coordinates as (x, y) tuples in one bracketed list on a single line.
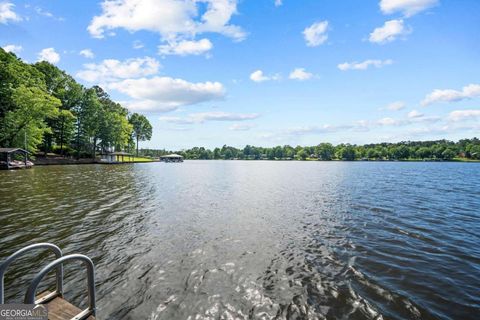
[(51, 162), (337, 160)]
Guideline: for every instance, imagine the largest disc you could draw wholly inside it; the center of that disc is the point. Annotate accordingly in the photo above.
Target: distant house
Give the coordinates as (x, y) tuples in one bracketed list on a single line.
[(171, 158)]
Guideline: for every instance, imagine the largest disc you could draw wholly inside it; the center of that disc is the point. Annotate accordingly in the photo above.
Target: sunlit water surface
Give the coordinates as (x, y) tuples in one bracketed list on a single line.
[(255, 240)]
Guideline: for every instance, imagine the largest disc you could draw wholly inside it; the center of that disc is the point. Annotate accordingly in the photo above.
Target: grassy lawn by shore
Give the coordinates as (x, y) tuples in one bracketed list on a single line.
[(465, 160), (450, 160), (142, 159)]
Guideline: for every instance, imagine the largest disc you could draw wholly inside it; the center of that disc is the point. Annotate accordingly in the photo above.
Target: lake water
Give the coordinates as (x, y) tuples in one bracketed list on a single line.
[(255, 240)]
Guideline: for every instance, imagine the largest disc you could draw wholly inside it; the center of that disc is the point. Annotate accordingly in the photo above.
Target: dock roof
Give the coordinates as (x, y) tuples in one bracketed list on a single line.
[(172, 156), (10, 150), (117, 153)]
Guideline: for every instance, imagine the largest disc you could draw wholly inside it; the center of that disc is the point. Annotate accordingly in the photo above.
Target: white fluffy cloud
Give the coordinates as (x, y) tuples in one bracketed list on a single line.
[(42, 12), (388, 122), (176, 120), (395, 106), (223, 116), (241, 126), (111, 70), (7, 14), (186, 47), (407, 7), (87, 53), (13, 48), (172, 19), (390, 31), (148, 106), (165, 93), (278, 3), (316, 34), (444, 129), (450, 95), (300, 74), (49, 55), (464, 115), (201, 117), (413, 117), (259, 76), (364, 65), (137, 44), (326, 128), (414, 114)]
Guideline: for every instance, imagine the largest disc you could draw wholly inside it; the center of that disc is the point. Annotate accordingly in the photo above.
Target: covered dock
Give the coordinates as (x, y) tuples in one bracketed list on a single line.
[(116, 157), (171, 158), (14, 158)]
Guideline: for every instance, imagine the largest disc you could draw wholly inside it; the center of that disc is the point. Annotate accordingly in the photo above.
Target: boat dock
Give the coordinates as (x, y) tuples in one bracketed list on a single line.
[(171, 158), (116, 158), (61, 309), (8, 161)]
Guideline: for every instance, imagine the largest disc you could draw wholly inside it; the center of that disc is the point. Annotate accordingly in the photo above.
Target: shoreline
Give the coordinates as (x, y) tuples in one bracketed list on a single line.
[(50, 162)]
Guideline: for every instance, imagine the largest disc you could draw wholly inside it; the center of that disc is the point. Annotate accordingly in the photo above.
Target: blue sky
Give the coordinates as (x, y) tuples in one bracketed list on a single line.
[(267, 72)]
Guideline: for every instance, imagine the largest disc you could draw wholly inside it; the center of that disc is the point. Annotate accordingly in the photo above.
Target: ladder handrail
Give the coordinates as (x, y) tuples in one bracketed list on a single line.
[(11, 258), (30, 295)]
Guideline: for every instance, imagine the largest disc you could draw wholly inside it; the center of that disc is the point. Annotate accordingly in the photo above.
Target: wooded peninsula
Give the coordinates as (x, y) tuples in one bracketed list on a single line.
[(44, 110)]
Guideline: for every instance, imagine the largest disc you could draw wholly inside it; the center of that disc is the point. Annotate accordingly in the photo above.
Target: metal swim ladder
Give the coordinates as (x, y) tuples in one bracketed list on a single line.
[(55, 297)]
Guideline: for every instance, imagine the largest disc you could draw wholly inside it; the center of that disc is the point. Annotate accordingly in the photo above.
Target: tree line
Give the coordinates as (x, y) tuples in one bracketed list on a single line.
[(43, 109), (408, 150)]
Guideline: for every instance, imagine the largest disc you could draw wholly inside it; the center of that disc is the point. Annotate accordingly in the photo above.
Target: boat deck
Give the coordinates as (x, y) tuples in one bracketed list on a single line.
[(61, 309)]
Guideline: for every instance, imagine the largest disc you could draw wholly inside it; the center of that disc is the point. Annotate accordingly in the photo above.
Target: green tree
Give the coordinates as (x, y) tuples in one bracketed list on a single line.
[(448, 154), (302, 154), (228, 154), (217, 154), (424, 153), (347, 152), (89, 120), (63, 128), (278, 152), (400, 152), (372, 153), (112, 127), (270, 154), (13, 74), (325, 151), (142, 129), (116, 131), (474, 151), (62, 86), (27, 121)]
